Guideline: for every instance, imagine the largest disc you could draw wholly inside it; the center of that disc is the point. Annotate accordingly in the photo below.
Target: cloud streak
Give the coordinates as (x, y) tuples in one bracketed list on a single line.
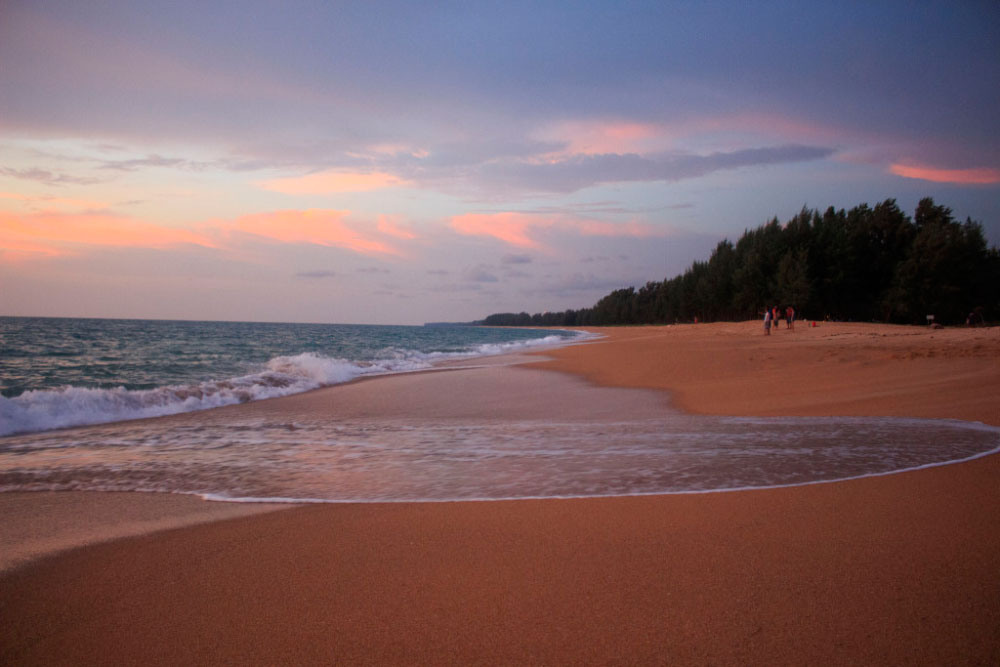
[(315, 274), (600, 137), (505, 171), (520, 229), (511, 228), (53, 234), (322, 227), (980, 176), (156, 161), (331, 182), (391, 226), (583, 170), (47, 177)]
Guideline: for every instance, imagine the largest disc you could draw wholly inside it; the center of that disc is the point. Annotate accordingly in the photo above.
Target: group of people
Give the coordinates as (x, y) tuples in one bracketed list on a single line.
[(772, 315)]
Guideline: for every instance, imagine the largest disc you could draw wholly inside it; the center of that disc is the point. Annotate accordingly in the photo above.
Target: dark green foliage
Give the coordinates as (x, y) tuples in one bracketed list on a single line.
[(946, 270), (866, 264)]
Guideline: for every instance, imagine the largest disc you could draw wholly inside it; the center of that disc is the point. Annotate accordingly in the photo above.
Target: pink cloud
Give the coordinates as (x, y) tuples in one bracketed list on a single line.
[(722, 132), (13, 248), (980, 176), (52, 234), (390, 226), (316, 226), (510, 228), (48, 234), (516, 228), (329, 182), (603, 137)]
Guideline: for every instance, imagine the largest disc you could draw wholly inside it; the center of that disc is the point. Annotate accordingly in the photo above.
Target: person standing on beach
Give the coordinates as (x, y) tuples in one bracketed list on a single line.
[(790, 318), (767, 321)]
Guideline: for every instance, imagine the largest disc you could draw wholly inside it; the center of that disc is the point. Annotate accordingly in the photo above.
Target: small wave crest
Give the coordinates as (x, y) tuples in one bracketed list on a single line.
[(42, 410)]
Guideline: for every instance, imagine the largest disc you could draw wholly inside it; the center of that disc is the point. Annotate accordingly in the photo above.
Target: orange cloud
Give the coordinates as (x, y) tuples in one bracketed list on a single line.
[(46, 234), (51, 234), (328, 182), (515, 228), (317, 226), (983, 176), (389, 225), (14, 249), (510, 228)]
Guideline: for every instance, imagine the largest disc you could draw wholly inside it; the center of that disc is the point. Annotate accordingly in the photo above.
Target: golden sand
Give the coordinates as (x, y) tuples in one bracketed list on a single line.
[(899, 569)]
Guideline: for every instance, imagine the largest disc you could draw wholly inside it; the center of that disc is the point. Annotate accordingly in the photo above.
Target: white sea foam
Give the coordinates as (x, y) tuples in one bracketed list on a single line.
[(41, 410), (256, 459)]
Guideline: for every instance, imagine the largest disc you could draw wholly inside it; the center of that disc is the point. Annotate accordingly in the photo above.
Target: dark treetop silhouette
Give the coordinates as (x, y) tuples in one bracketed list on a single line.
[(864, 264)]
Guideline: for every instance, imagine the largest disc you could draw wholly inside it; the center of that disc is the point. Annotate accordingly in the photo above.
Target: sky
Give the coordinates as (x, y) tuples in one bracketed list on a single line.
[(398, 163)]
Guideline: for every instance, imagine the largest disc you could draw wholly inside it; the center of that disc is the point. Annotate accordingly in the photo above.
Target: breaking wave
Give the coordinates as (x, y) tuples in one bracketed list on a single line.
[(41, 410)]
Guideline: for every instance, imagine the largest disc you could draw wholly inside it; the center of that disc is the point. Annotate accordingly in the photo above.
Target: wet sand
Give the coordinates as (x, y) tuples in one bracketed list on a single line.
[(38, 524), (889, 570)]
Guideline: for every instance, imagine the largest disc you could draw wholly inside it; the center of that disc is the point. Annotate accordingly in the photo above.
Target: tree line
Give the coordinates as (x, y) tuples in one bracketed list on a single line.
[(865, 264)]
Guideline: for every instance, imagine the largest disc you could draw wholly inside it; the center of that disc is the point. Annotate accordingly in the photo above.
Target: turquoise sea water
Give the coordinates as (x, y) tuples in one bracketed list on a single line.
[(58, 372)]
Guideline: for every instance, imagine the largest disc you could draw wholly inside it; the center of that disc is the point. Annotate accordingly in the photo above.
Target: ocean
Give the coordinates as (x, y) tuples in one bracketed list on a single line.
[(76, 394), (59, 372)]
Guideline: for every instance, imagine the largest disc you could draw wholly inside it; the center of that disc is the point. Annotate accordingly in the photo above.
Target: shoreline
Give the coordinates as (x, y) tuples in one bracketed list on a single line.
[(723, 577), (504, 375), (560, 358), (361, 370), (32, 534)]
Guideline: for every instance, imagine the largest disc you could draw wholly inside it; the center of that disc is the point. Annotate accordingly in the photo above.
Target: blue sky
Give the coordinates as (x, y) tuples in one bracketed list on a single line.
[(404, 162)]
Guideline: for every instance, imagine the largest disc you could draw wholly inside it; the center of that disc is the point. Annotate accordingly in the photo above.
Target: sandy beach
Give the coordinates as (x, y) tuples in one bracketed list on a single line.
[(897, 569)]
